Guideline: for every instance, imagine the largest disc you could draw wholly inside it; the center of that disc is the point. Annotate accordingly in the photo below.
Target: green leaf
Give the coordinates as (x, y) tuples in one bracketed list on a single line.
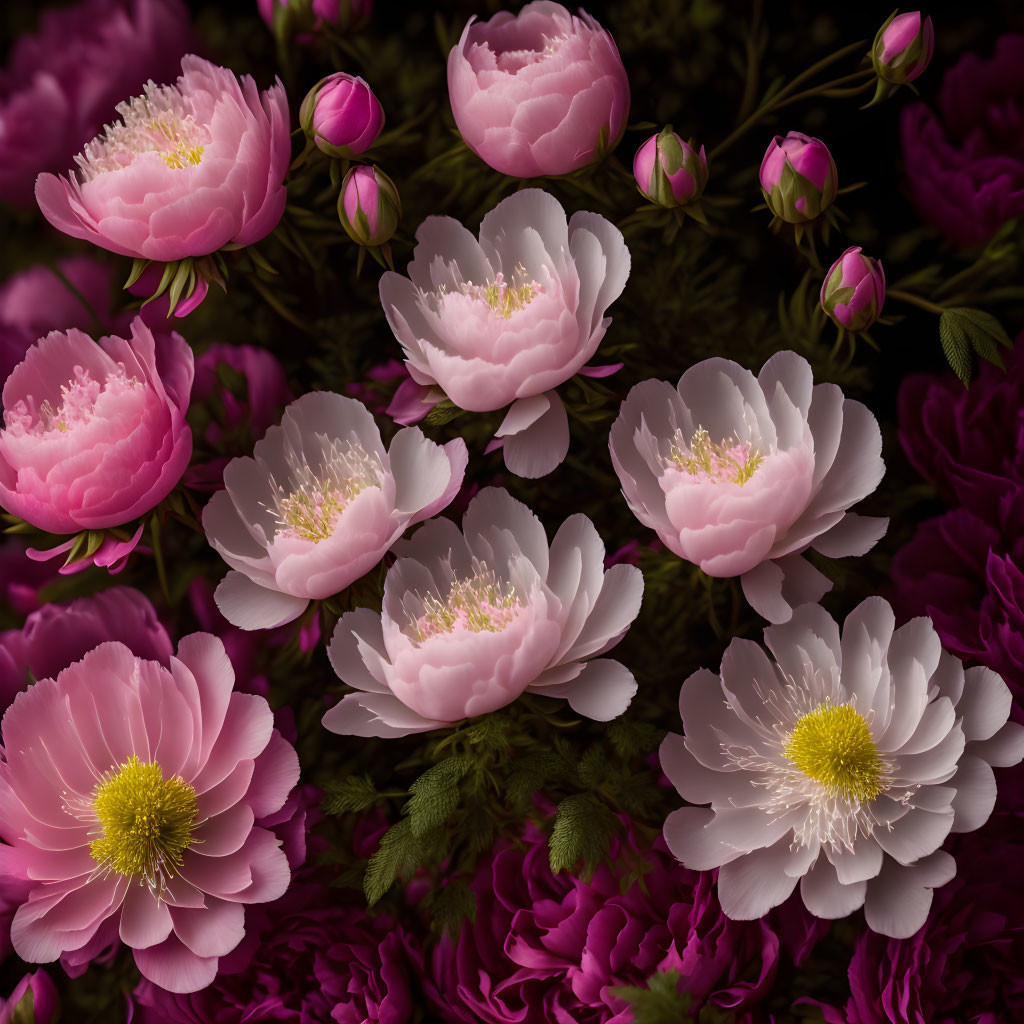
[(442, 413), (956, 345), (660, 1002), (582, 832), (451, 906), (356, 793), (435, 795), (983, 331), (138, 266), (25, 1011), (398, 856)]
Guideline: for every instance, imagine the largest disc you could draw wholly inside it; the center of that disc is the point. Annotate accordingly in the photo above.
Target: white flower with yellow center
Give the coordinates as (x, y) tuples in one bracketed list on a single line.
[(842, 764)]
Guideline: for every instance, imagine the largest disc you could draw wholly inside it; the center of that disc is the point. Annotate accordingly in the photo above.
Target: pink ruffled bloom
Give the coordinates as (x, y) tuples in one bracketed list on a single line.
[(114, 739), (319, 504), (472, 620), (189, 168), (538, 92), (740, 474), (508, 318), (842, 764), (62, 81), (95, 432)]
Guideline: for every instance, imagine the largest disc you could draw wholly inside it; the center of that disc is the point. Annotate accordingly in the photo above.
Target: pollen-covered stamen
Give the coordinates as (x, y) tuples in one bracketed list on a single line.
[(76, 405), (312, 507), (160, 121), (832, 745), (477, 604), (146, 820), (730, 460), (502, 296)]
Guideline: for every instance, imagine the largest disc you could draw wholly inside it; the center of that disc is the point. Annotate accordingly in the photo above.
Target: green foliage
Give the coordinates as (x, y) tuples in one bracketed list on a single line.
[(583, 831), (963, 330), (398, 856), (356, 793), (435, 795), (660, 1002)]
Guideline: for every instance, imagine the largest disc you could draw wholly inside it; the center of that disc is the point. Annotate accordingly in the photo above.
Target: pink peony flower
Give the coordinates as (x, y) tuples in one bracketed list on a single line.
[(95, 432), (57, 635), (853, 291), (472, 620), (189, 168), (319, 504), (538, 92), (740, 474), (113, 741), (508, 318), (62, 81), (798, 177), (342, 115), (41, 1001), (842, 765)]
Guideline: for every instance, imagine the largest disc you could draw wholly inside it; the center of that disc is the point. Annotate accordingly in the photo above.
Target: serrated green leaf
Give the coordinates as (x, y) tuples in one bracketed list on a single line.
[(978, 323), (956, 345), (453, 904), (660, 1002), (356, 793), (582, 832), (435, 795), (398, 856)]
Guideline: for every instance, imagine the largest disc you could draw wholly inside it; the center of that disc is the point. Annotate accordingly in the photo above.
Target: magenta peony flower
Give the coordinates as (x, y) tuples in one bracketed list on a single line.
[(853, 291), (471, 620), (61, 83), (965, 161), (113, 740), (57, 635), (369, 207), (842, 765), (548, 948), (964, 964), (538, 92), (740, 474), (189, 168), (903, 48), (95, 432), (41, 1001), (798, 177), (319, 504), (342, 115), (668, 171), (316, 960), (509, 318), (968, 442)]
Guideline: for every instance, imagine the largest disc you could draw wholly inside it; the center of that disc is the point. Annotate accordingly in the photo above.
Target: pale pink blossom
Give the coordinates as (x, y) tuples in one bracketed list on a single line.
[(508, 318), (841, 763), (189, 168), (473, 619), (538, 92), (319, 504), (740, 474), (95, 432), (114, 738)]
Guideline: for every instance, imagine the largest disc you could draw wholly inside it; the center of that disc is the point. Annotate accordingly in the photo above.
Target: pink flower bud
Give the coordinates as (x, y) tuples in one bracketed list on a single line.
[(369, 206), (798, 177), (669, 171), (903, 48), (854, 290), (342, 115), (304, 16)]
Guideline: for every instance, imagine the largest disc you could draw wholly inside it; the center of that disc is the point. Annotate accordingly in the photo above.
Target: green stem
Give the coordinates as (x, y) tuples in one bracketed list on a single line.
[(914, 300), (277, 307), (782, 96), (832, 88), (158, 557), (66, 281)]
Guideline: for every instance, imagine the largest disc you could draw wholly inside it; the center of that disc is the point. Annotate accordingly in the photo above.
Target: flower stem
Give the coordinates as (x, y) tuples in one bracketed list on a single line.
[(915, 300)]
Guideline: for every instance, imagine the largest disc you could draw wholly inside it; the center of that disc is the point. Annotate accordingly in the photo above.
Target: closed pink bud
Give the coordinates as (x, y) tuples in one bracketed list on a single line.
[(903, 48), (798, 177), (369, 207), (669, 171), (854, 290), (342, 115), (541, 92)]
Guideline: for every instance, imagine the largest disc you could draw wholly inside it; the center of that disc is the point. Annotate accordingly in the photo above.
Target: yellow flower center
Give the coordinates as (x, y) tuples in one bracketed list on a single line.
[(732, 460), (832, 745), (481, 604), (147, 821)]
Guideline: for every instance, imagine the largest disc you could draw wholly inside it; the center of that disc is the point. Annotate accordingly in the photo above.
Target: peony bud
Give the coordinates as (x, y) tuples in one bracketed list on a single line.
[(368, 205), (668, 171), (798, 177), (903, 48), (854, 290), (341, 115)]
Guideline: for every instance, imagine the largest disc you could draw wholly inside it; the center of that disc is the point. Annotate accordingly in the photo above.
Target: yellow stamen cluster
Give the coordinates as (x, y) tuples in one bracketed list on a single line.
[(147, 821), (729, 460), (480, 604), (505, 299), (832, 746)]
